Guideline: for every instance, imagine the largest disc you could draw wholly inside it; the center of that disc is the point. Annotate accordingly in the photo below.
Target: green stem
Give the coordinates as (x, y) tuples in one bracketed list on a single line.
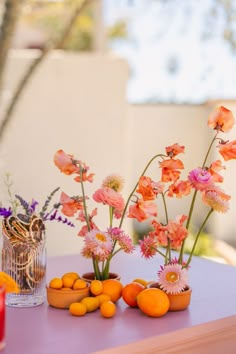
[(96, 269), (209, 149), (135, 187), (194, 199), (168, 250), (84, 197), (197, 237), (111, 211)]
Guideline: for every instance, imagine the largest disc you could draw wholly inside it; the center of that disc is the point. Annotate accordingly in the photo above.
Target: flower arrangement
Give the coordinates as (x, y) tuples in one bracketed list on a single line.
[(99, 245), (21, 224), (142, 204)]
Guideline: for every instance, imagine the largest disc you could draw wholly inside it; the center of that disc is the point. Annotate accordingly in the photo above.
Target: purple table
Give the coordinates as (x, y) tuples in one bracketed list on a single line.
[(46, 330)]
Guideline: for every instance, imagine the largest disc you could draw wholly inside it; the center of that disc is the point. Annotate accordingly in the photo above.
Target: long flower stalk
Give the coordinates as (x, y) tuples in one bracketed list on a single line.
[(135, 187), (180, 260)]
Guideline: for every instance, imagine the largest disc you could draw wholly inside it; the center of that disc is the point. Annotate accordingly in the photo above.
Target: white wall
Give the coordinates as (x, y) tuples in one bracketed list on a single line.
[(77, 103)]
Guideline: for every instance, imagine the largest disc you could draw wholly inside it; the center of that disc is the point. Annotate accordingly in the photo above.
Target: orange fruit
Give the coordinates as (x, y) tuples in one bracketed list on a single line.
[(108, 309), (91, 303), (79, 284), (74, 275), (153, 302), (65, 289), (68, 281), (112, 287), (96, 287), (56, 283), (141, 281), (78, 309), (9, 283), (130, 293), (102, 298)]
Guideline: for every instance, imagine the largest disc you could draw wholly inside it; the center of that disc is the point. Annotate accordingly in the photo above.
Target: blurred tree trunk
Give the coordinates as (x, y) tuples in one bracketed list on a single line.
[(5, 119), (7, 29)]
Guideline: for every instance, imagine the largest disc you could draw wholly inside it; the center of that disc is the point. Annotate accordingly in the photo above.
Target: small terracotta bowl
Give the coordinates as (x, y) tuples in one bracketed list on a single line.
[(62, 299)]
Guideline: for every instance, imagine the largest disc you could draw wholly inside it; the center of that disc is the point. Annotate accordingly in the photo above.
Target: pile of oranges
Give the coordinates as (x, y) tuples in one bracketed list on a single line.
[(104, 294)]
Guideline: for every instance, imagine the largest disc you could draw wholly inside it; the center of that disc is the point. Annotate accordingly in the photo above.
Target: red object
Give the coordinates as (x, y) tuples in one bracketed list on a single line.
[(2, 316)]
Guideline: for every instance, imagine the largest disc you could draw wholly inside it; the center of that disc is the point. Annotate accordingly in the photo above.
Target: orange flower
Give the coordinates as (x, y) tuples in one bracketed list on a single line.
[(70, 205), (142, 210), (179, 189), (170, 169), (221, 119), (228, 150), (174, 150), (85, 176), (145, 188), (214, 168), (65, 163)]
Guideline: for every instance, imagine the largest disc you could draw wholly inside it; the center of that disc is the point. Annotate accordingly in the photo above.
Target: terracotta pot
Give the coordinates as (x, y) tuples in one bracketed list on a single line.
[(62, 299), (91, 276), (178, 302)]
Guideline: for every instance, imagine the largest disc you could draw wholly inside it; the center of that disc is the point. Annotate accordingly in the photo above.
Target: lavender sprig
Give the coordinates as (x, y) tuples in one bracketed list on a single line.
[(47, 202), (5, 212), (59, 218), (24, 205)]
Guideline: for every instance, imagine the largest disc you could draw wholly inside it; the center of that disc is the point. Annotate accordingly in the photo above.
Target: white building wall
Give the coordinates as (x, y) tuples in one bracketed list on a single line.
[(77, 103)]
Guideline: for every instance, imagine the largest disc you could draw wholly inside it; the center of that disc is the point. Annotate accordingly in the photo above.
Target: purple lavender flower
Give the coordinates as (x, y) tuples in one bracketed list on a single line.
[(5, 212)]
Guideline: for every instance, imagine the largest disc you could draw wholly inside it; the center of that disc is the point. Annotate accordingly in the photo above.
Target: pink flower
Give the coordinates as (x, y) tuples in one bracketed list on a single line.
[(110, 197), (216, 199), (172, 278), (99, 244), (123, 240), (114, 182), (149, 245), (200, 178)]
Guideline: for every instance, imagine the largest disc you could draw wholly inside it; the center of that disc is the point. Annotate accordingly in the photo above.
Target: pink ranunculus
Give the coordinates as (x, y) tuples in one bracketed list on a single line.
[(110, 197), (200, 178)]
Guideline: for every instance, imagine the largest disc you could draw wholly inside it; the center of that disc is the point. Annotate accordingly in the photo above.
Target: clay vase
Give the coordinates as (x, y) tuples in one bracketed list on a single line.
[(91, 276), (178, 302)]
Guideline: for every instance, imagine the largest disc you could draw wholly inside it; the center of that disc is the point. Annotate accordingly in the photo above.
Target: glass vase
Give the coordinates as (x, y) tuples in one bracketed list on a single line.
[(24, 259)]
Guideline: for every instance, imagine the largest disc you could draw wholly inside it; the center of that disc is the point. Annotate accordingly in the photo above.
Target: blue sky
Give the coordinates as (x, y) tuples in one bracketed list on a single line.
[(175, 49)]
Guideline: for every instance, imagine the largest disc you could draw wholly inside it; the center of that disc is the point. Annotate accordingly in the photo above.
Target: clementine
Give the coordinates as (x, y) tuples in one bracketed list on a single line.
[(108, 309), (112, 287), (96, 287), (130, 292), (153, 302)]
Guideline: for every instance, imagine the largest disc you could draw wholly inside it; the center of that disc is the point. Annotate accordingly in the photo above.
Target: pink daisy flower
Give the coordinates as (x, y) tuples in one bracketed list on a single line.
[(148, 245), (123, 240), (216, 199), (99, 243), (172, 278)]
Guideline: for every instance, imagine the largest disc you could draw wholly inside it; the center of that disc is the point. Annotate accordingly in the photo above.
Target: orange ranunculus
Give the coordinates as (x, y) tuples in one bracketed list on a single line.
[(228, 150), (179, 189), (65, 163), (70, 205), (174, 150), (221, 119), (142, 210), (145, 188), (214, 168)]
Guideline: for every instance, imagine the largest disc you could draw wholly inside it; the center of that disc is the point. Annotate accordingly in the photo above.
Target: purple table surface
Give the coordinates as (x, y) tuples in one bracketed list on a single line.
[(47, 330)]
